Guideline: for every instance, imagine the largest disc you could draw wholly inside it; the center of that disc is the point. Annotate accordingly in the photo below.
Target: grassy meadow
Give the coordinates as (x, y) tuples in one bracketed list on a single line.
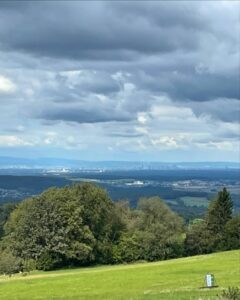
[(171, 280), (195, 201)]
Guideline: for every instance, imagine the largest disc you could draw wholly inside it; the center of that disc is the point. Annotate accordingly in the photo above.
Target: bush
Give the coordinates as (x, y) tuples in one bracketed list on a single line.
[(128, 250), (9, 264), (29, 265), (232, 293), (49, 261)]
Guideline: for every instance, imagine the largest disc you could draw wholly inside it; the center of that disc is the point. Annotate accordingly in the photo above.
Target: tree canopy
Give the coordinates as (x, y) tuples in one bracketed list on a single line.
[(80, 225), (217, 231)]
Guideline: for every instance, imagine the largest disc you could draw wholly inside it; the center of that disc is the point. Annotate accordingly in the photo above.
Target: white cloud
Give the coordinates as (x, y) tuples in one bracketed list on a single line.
[(50, 138), (142, 118), (166, 142), (169, 110), (13, 141), (219, 145), (6, 85)]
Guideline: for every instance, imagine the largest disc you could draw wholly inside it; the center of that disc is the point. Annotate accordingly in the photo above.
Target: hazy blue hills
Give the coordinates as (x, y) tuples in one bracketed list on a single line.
[(48, 163)]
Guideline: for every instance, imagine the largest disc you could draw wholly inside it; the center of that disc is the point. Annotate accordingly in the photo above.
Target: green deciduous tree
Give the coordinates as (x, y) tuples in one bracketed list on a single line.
[(9, 264), (127, 250), (5, 211), (159, 230), (72, 225), (198, 239), (80, 225), (232, 233), (99, 215)]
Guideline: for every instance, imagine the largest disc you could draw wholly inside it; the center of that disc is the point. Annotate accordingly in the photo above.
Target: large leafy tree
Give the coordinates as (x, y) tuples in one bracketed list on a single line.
[(68, 225), (152, 232), (5, 211), (198, 238), (158, 230), (99, 214), (232, 233), (50, 223)]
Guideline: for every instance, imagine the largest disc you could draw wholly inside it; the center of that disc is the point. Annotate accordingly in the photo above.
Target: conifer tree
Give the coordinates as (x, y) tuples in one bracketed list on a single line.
[(219, 212)]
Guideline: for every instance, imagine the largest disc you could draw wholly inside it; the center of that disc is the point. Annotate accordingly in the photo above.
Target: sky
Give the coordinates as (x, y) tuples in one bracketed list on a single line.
[(150, 81)]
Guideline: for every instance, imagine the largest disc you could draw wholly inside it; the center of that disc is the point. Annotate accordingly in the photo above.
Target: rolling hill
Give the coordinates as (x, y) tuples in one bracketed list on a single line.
[(175, 279)]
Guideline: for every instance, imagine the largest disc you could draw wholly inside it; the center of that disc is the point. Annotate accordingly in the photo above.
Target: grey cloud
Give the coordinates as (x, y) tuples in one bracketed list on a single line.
[(84, 97), (82, 115), (89, 108), (226, 110), (187, 85), (129, 134), (205, 87), (232, 135), (90, 81), (133, 76), (178, 49), (82, 30)]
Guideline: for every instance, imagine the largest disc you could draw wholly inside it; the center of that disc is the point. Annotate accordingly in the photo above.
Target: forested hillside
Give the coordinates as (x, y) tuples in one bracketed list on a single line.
[(80, 225)]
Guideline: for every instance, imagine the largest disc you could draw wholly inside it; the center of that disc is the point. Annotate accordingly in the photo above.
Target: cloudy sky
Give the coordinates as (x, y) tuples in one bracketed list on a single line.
[(120, 80)]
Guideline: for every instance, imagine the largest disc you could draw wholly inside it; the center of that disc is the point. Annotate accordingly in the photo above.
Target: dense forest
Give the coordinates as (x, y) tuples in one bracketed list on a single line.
[(80, 225)]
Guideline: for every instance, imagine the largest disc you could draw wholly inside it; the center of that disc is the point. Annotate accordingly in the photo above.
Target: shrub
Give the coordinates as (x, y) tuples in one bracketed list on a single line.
[(232, 293), (9, 264), (49, 261), (29, 265), (128, 250)]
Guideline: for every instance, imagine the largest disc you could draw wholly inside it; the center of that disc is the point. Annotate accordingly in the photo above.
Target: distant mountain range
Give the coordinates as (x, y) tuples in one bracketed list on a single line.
[(52, 163)]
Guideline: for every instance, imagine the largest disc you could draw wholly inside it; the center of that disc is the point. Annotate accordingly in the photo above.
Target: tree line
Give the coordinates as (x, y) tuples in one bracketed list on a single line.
[(80, 225)]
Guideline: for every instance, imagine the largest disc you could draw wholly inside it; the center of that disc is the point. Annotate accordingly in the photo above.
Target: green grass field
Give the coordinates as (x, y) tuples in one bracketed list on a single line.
[(174, 280), (195, 201)]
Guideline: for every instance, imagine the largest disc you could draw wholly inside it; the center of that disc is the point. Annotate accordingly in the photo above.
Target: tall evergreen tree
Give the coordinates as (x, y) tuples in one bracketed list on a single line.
[(218, 215), (211, 234), (219, 212)]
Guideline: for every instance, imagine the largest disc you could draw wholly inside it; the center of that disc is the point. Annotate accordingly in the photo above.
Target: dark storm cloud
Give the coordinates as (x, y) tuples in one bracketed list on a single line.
[(84, 115), (226, 110), (88, 97), (189, 85), (98, 30), (81, 104), (182, 50), (206, 87)]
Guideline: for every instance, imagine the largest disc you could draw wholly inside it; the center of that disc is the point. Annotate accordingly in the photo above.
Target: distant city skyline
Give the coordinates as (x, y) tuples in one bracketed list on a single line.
[(122, 80)]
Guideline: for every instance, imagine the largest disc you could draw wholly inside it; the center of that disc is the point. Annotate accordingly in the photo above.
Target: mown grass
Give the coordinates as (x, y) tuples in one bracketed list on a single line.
[(176, 279), (195, 201)]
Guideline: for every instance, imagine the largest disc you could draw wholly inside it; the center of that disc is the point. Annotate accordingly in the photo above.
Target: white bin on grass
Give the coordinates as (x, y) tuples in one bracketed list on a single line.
[(209, 280)]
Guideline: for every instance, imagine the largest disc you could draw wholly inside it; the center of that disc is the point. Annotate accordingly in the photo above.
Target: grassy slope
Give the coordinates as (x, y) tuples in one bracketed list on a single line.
[(174, 279)]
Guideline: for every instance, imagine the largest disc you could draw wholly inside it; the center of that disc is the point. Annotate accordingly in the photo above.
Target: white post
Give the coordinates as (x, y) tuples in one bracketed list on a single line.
[(209, 280)]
